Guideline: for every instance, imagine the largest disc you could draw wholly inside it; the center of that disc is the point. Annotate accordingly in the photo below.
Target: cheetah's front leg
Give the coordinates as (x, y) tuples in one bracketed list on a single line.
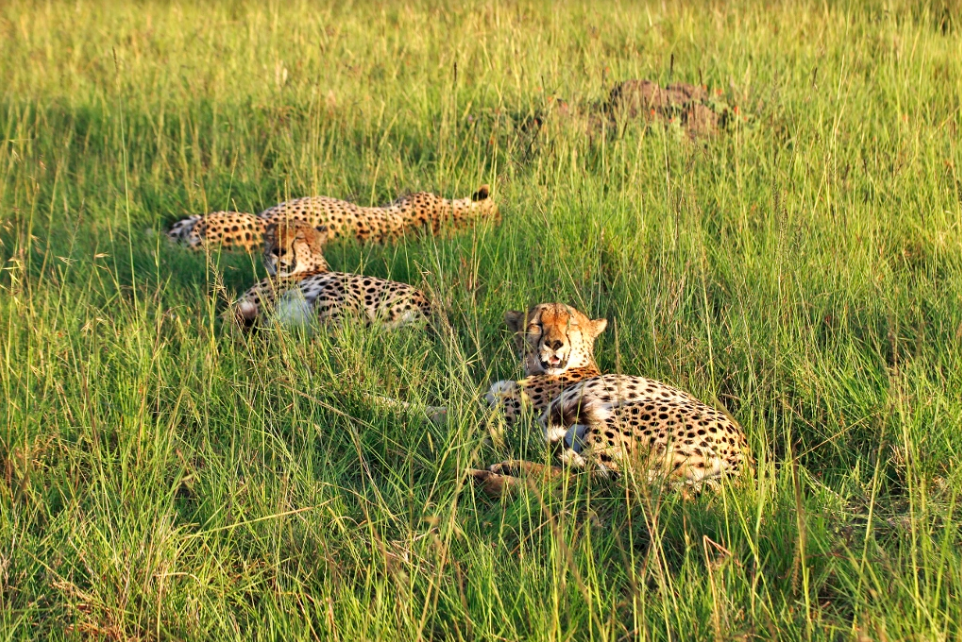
[(522, 468), (505, 477), (494, 484)]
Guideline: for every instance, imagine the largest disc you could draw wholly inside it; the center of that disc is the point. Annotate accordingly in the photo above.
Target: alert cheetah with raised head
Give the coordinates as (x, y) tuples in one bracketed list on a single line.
[(556, 344), (557, 350), (612, 424), (301, 290)]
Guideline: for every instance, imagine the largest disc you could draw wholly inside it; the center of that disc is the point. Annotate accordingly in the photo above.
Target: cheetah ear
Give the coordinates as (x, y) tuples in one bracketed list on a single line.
[(481, 194), (597, 326), (514, 319)]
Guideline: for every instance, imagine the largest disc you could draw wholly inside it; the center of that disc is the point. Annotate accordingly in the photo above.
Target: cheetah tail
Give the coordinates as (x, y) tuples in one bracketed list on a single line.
[(180, 230), (436, 414)]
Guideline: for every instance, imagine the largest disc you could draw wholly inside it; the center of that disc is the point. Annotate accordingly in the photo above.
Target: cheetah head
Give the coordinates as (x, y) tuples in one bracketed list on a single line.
[(291, 247), (479, 206), (554, 337)]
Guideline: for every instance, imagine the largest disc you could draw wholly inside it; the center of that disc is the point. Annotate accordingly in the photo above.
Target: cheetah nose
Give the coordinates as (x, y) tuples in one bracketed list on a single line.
[(554, 344)]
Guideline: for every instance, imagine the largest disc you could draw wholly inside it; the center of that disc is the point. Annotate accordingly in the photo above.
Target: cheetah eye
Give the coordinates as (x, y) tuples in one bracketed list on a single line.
[(534, 328)]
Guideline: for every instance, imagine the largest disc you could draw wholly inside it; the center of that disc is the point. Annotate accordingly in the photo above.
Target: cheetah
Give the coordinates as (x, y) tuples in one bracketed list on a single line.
[(608, 423), (557, 346), (419, 211), (230, 230), (301, 289), (294, 248), (557, 349)]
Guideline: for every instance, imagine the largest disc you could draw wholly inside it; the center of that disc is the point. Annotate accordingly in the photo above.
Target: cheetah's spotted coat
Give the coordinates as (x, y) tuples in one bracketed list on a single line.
[(231, 230), (611, 424), (419, 211), (302, 290), (557, 348)]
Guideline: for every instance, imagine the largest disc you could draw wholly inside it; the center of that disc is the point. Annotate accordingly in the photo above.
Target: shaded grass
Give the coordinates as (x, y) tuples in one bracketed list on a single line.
[(163, 478)]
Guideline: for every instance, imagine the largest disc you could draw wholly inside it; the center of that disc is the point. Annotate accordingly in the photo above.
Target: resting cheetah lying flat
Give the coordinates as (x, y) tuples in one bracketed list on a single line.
[(302, 291), (611, 423), (230, 230), (420, 211)]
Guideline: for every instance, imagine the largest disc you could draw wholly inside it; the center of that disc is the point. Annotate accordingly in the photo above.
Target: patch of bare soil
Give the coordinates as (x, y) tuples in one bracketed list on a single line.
[(696, 109), (688, 110)]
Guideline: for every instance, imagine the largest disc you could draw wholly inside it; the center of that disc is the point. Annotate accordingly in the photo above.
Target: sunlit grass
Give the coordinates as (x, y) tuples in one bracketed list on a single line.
[(164, 478)]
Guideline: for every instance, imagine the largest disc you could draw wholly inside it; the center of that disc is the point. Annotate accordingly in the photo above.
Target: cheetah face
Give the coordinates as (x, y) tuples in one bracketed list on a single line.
[(554, 337), (478, 206), (292, 247)]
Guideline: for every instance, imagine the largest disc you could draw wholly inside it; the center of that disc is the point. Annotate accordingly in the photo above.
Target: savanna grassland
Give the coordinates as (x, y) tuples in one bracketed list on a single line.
[(163, 478)]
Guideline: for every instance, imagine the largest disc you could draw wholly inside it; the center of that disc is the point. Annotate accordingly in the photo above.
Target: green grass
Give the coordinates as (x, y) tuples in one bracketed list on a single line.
[(163, 479)]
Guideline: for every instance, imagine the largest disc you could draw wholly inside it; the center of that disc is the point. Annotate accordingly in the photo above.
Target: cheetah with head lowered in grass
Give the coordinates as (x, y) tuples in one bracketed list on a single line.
[(301, 289), (230, 230), (421, 211), (611, 423)]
